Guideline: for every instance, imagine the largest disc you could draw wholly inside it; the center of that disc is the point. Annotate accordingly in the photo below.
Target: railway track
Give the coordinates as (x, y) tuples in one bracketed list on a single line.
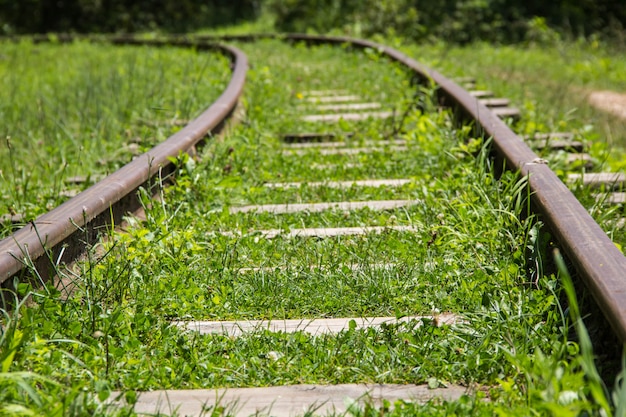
[(329, 136)]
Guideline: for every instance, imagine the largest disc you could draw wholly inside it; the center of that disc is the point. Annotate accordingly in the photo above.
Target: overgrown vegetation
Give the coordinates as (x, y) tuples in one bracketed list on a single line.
[(65, 349), (89, 16), (72, 113), (112, 328), (459, 21)]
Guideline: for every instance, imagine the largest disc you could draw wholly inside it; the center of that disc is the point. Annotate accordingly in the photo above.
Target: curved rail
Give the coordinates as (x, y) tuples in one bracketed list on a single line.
[(62, 234), (597, 260)]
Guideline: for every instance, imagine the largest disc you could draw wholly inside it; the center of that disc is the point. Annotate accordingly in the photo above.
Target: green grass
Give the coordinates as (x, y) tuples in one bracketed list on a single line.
[(548, 82), (469, 254), (85, 109)]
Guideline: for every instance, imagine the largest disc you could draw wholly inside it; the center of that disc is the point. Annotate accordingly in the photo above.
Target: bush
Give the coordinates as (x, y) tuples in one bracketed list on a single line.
[(453, 20), (41, 16)]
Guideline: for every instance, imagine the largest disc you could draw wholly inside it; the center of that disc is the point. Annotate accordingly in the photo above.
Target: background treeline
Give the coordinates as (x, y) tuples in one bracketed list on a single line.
[(452, 20), (42, 16)]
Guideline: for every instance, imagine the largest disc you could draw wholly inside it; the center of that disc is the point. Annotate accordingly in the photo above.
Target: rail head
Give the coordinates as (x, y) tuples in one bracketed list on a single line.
[(597, 260), (600, 264), (41, 242)]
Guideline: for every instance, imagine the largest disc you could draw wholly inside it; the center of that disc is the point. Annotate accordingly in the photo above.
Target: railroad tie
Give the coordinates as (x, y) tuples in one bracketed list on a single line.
[(582, 160), (317, 93), (495, 102), (351, 267), (481, 93), (555, 141), (551, 136), (12, 218), (333, 99), (289, 400), (318, 207), (609, 180), (331, 118), (506, 112), (342, 184), (315, 145), (344, 151), (349, 106), (310, 137), (613, 198), (339, 144), (347, 165), (558, 145), (325, 232), (315, 327)]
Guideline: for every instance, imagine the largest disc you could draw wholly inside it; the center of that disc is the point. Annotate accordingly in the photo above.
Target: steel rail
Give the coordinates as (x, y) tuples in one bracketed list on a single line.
[(63, 234), (597, 260), (599, 263)]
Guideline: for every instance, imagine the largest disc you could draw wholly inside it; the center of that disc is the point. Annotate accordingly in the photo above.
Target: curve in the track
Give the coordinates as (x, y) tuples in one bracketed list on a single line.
[(595, 257)]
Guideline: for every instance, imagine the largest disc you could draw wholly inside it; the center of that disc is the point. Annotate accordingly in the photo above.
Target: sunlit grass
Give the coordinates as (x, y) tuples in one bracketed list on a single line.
[(84, 110), (470, 253)]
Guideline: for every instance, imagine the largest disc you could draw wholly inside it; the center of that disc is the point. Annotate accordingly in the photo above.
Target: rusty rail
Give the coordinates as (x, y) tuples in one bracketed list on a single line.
[(597, 260), (64, 233)]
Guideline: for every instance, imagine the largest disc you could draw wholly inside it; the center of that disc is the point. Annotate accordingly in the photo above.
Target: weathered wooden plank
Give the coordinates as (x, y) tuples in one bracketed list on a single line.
[(495, 102), (599, 179), (12, 218), (558, 145), (312, 137), (339, 144), (318, 207), (350, 106), (481, 93), (333, 99), (285, 401), (506, 112), (345, 151), (323, 232), (352, 267), (335, 166), (315, 327), (583, 159), (342, 184), (347, 116), (324, 93), (613, 198), (315, 145), (551, 135)]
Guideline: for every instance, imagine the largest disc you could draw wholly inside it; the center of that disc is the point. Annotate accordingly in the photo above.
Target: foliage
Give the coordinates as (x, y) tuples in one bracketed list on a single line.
[(83, 110), (452, 20), (116, 329), (41, 16)]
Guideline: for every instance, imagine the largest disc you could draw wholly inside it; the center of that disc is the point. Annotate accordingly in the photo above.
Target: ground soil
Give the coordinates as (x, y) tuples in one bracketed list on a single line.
[(609, 101)]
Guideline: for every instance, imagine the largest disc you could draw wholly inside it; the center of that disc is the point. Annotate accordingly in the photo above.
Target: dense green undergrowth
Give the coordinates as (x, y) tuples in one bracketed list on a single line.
[(551, 84), (83, 110), (112, 326)]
